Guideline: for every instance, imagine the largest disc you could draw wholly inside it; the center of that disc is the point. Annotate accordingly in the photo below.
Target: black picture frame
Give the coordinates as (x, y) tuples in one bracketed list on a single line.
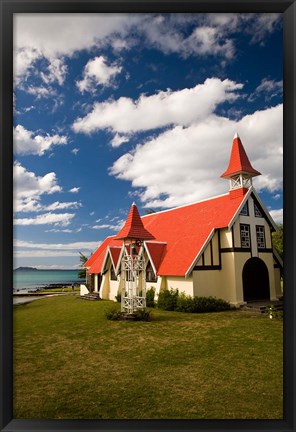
[(8, 8)]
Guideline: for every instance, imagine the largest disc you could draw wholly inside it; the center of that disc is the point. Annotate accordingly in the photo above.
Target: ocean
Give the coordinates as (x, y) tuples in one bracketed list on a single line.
[(33, 279)]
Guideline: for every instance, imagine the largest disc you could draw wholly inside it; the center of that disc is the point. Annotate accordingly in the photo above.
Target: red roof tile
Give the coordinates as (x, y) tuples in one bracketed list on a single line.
[(239, 161), (133, 227), (115, 253), (185, 230), (156, 252)]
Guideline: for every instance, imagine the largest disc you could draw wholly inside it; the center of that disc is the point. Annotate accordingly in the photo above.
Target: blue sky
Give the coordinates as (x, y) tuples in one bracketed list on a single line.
[(111, 109)]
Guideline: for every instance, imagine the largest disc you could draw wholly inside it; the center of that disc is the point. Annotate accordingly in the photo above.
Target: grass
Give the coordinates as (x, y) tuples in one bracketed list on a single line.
[(70, 362), (62, 289)]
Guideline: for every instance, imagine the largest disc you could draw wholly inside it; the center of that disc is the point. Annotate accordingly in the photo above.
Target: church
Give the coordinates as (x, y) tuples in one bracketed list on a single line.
[(219, 247)]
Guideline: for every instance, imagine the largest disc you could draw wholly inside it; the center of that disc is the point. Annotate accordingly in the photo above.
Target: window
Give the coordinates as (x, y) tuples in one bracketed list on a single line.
[(245, 236), (112, 274), (260, 236), (245, 210), (150, 275), (257, 211)]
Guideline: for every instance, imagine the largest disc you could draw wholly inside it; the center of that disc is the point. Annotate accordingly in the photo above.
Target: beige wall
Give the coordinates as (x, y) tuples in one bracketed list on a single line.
[(180, 283)]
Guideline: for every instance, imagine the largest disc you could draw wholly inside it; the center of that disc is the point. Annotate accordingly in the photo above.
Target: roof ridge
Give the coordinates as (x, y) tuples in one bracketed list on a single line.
[(186, 205)]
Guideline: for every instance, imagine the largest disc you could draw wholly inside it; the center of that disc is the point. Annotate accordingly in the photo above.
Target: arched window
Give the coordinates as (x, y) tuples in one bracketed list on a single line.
[(112, 273), (150, 275)]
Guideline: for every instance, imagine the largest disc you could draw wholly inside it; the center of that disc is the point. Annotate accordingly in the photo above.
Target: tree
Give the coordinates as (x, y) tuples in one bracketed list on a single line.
[(82, 272), (277, 240)]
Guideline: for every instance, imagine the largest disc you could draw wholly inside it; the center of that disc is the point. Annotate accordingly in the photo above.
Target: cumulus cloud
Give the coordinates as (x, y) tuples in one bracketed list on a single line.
[(61, 219), (277, 215), (119, 224), (74, 190), (28, 185), (97, 72), (54, 37), (27, 142), (175, 168), (267, 89), (82, 246), (117, 140), (29, 190), (181, 107)]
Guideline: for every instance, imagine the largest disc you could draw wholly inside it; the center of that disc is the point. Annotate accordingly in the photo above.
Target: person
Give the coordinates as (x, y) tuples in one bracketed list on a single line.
[(72, 287)]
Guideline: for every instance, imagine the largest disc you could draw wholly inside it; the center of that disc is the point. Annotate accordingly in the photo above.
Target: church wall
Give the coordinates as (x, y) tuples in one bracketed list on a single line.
[(105, 287), (180, 283)]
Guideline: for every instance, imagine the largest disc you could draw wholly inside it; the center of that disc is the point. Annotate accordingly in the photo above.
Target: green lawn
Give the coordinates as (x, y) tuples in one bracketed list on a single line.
[(72, 363)]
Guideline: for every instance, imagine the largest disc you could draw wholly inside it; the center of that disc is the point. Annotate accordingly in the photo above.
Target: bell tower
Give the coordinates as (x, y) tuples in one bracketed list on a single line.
[(240, 171), (133, 290)]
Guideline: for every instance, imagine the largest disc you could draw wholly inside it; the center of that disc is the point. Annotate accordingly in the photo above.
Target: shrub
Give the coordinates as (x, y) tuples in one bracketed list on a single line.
[(185, 303), (113, 314), (167, 299), (142, 315), (172, 300), (210, 304), (150, 293), (116, 315), (118, 297)]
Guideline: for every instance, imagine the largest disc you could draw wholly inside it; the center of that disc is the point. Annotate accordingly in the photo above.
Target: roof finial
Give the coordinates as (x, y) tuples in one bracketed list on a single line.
[(236, 135), (133, 203)]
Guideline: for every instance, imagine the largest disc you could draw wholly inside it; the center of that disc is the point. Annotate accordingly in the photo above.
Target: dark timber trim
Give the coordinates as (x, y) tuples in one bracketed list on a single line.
[(235, 249), (211, 252), (207, 267)]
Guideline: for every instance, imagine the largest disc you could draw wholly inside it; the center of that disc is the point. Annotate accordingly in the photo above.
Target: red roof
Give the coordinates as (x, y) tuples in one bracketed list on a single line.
[(115, 253), (156, 252), (133, 227), (239, 161), (185, 230)]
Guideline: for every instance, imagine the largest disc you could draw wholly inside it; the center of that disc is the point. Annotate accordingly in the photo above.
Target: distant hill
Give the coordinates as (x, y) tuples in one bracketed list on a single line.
[(25, 269)]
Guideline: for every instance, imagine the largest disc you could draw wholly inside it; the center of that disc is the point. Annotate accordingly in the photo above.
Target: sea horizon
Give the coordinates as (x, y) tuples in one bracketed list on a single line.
[(32, 279)]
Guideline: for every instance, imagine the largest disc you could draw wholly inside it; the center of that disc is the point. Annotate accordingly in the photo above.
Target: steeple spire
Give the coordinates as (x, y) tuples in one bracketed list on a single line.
[(133, 228), (240, 170)]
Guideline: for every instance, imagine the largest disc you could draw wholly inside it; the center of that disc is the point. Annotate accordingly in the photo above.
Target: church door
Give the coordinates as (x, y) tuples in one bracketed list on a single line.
[(255, 280)]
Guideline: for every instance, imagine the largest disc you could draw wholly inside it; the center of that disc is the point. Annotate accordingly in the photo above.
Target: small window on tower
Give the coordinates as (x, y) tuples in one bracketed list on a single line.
[(245, 210)]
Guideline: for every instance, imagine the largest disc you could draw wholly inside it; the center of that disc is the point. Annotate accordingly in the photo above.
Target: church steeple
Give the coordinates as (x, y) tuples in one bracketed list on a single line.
[(240, 171), (133, 228)]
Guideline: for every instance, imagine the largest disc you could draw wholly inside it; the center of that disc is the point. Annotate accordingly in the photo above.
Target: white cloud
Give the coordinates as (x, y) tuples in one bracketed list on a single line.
[(75, 151), (28, 185), (66, 230), (74, 190), (75, 246), (175, 167), (39, 91), (54, 36), (113, 227), (61, 219), (98, 72), (207, 41), (277, 216), (42, 254), (268, 89), (118, 140), (26, 142), (29, 189), (181, 107)]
